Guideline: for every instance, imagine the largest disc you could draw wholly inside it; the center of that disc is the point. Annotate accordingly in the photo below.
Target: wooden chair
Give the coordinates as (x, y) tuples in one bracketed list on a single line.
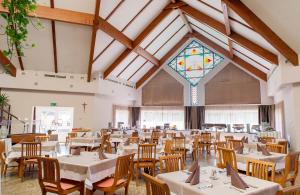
[(285, 146), (234, 144), (122, 176), (179, 146), (168, 147), (42, 138), (30, 153), (205, 142), (106, 147), (271, 147), (50, 181), (3, 164), (268, 139), (221, 144), (290, 171), (134, 140), (260, 169), (155, 137), (196, 149), (70, 136), (146, 157), (228, 137), (171, 135), (226, 156), (171, 163), (292, 190), (135, 134), (155, 187)]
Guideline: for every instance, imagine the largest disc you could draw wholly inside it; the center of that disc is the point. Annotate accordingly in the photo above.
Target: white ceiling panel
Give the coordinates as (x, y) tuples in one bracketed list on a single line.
[(86, 6), (132, 68), (107, 6), (145, 18), (170, 31), (73, 43), (125, 13), (141, 72), (124, 63), (160, 27), (167, 47), (108, 57), (102, 40)]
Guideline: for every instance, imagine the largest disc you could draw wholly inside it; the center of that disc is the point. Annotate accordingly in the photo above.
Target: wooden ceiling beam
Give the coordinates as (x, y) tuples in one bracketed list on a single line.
[(145, 54), (7, 64), (235, 59), (218, 26), (227, 27), (54, 40), (164, 13), (93, 40), (260, 27), (162, 61)]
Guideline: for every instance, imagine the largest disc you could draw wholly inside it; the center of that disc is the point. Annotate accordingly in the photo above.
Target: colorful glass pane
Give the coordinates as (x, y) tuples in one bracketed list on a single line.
[(194, 62)]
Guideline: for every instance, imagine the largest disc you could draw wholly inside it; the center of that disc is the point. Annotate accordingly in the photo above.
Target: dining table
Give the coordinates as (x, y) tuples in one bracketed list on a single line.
[(87, 167), (220, 184), (89, 142)]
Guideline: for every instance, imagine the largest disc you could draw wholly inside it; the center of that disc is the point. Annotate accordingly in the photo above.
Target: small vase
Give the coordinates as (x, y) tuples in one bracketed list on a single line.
[(3, 132)]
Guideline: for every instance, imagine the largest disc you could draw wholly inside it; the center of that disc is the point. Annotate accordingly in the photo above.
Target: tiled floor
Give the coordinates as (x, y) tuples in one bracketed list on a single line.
[(12, 185)]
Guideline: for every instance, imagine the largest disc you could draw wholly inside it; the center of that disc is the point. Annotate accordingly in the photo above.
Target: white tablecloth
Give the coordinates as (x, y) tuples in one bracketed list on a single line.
[(221, 186), (47, 146), (85, 142), (87, 167), (277, 158)]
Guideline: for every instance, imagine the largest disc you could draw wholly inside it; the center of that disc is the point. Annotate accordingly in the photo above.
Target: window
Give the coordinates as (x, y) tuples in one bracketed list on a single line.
[(152, 117), (121, 116), (231, 115)]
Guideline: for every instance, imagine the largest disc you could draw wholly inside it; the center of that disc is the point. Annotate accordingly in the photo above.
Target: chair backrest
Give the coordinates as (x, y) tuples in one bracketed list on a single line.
[(260, 169), (168, 147), (146, 152), (171, 163), (292, 190), (124, 168), (134, 140), (49, 171), (42, 138), (284, 144), (31, 149), (106, 147), (226, 156), (221, 144), (234, 144), (72, 135), (178, 143), (218, 136), (135, 134), (271, 147), (206, 137), (228, 137), (291, 167), (155, 186), (105, 138), (268, 139), (171, 135)]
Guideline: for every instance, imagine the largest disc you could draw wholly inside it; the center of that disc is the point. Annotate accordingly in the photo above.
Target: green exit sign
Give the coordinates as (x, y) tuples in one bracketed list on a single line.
[(53, 104)]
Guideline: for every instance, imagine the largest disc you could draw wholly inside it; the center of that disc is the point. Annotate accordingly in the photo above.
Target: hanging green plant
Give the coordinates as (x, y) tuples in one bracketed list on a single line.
[(3, 99), (17, 20)]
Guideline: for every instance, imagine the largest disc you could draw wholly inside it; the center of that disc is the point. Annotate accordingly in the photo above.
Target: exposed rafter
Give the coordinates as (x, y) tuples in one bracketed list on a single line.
[(54, 40), (235, 59), (93, 40), (183, 17), (260, 27), (137, 41), (227, 27), (6, 63), (162, 61), (237, 38)]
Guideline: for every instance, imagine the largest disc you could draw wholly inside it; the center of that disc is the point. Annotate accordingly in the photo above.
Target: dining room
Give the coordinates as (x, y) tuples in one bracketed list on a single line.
[(156, 97)]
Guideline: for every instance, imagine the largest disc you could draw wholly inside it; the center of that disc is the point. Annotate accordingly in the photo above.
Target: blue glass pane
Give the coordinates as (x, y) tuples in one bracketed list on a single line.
[(194, 62)]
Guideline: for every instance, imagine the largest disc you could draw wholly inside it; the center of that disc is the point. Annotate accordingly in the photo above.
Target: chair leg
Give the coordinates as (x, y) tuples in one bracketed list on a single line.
[(44, 192), (126, 189)]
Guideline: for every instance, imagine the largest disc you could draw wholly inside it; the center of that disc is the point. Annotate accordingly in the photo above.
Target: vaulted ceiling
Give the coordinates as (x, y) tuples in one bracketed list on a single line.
[(129, 40)]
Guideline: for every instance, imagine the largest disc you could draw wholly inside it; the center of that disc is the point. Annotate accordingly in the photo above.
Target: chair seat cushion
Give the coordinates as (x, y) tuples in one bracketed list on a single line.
[(64, 186), (109, 182)]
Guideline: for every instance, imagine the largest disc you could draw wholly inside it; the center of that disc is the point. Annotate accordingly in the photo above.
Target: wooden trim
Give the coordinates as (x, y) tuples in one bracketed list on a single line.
[(54, 40), (145, 6), (233, 48), (114, 33), (175, 4), (145, 54), (227, 27), (19, 57), (162, 61), (7, 64), (93, 40), (185, 21), (218, 26), (138, 40), (260, 27), (238, 61)]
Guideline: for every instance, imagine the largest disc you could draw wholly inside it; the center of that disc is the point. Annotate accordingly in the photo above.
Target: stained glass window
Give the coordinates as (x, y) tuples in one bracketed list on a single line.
[(194, 62)]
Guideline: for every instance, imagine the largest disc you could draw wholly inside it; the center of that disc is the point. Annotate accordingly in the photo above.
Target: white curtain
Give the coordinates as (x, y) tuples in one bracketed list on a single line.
[(232, 114), (121, 115), (158, 116)]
